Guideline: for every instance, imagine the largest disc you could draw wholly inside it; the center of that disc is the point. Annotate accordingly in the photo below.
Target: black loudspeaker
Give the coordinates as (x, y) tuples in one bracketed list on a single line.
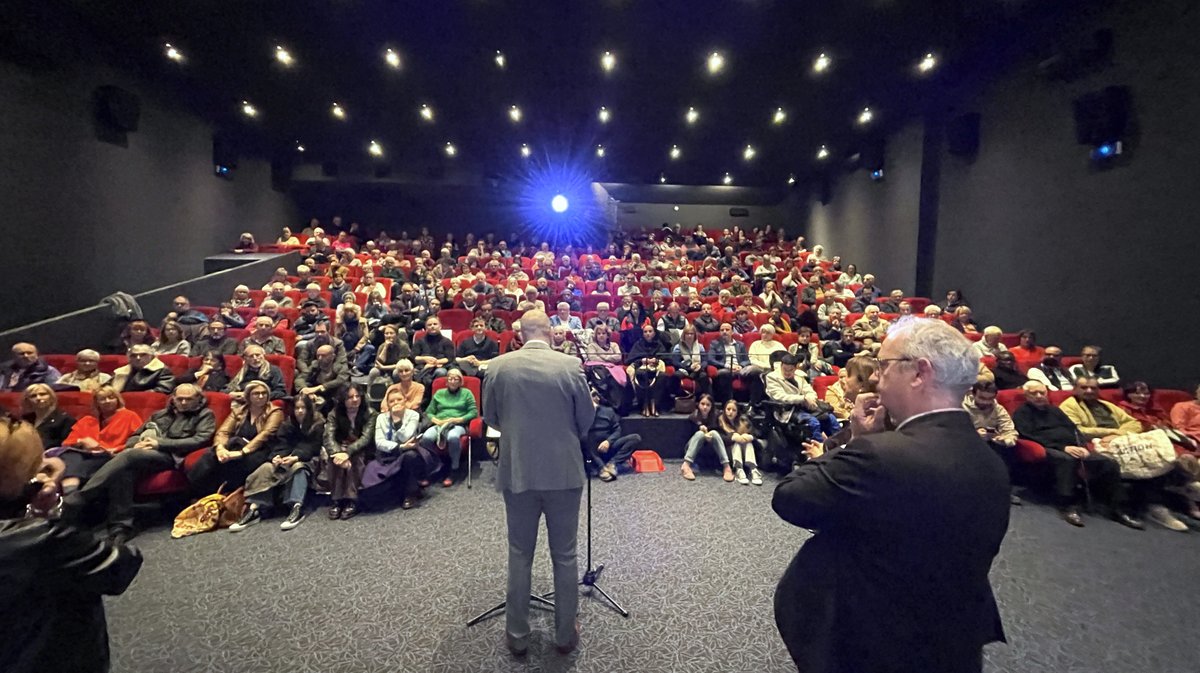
[(739, 212), (224, 156), (1102, 116), (117, 108), (962, 135)]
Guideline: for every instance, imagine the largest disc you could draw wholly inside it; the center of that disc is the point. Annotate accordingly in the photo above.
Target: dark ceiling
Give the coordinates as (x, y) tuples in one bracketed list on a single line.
[(552, 50)]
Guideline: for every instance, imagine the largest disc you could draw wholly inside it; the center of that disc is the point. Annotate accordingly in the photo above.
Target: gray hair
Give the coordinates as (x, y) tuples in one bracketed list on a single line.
[(955, 363), (87, 353)]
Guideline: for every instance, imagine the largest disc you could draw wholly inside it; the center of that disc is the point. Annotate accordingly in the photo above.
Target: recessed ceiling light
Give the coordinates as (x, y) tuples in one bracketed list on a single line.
[(608, 61), (676, 152), (426, 113), (675, 208), (692, 115), (749, 152), (338, 111), (822, 63), (779, 117), (249, 110), (299, 146), (604, 115), (500, 60), (716, 62), (451, 150), (928, 63), (375, 149), (514, 113), (662, 178), (728, 179), (865, 116), (791, 179), (173, 53), (283, 56), (823, 152), (600, 150), (392, 58), (525, 151)]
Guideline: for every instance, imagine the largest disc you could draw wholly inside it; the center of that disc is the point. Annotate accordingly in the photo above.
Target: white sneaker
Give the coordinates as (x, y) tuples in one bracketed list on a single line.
[(1192, 490), (755, 476), (1163, 517), (740, 475)]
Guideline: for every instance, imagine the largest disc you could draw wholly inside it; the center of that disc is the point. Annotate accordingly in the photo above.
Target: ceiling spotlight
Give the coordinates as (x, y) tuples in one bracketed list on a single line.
[(525, 151), (249, 110), (299, 147), (779, 117), (748, 153), (662, 178), (392, 57), (728, 179), (337, 111), (676, 152), (823, 152), (514, 113), (716, 63), (604, 115), (500, 60), (283, 56), (375, 149), (791, 179), (600, 151), (926, 64), (865, 116), (559, 203), (608, 62), (451, 150), (822, 63), (173, 53), (692, 115), (675, 208), (426, 113)]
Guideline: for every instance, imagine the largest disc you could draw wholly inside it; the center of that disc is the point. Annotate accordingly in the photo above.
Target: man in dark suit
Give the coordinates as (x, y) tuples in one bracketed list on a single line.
[(539, 401), (907, 523)]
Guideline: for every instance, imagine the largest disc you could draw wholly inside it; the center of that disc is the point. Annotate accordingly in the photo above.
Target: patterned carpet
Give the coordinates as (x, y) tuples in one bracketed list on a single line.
[(694, 562)]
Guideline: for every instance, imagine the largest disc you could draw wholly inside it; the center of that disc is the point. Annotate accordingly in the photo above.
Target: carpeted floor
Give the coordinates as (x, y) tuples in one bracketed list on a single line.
[(694, 562)]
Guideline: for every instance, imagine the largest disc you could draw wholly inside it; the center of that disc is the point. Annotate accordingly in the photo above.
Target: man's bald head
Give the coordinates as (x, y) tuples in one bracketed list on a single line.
[(535, 324)]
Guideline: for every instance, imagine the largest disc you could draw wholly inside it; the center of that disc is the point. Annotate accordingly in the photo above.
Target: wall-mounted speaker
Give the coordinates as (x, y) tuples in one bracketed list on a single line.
[(224, 156), (117, 108), (739, 212), (1103, 116), (962, 135)]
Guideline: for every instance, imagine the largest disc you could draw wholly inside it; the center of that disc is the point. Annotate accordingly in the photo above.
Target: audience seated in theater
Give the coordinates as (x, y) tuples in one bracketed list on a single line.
[(1050, 372), (376, 310), (1091, 366), (760, 351), (1066, 452), (963, 321), (87, 376), (560, 342), (741, 323), (214, 339), (278, 294), (288, 467), (954, 299), (210, 375), (325, 379), (351, 329), (835, 396), (804, 347), (1139, 404), (400, 464), (338, 288), (286, 238), (134, 333), (229, 316), (631, 315), (990, 343), (797, 407), (737, 434), (689, 359), (850, 276), (780, 321), (161, 443), (414, 393), (241, 297), (1006, 375), (832, 327), (256, 367), (646, 369), (310, 316), (729, 357), (994, 425), (812, 294), (96, 437), (706, 419), (145, 372), (450, 411), (1027, 352), (263, 337), (563, 317), (269, 309), (870, 329), (306, 351), (706, 321), (604, 352), (672, 322), (1185, 416), (475, 352), (349, 436), (280, 275), (171, 340), (242, 443), (433, 352), (828, 305), (191, 319), (932, 311), (39, 408), (840, 351), (606, 445), (246, 243)]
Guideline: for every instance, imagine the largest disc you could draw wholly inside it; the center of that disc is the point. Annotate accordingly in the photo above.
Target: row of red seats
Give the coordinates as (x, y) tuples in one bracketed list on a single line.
[(178, 364)]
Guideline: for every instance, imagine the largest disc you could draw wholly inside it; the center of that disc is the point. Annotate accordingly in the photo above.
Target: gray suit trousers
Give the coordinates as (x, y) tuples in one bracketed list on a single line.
[(524, 512)]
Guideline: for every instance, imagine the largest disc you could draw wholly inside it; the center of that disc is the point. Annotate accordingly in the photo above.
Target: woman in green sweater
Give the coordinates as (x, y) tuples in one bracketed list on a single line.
[(450, 410)]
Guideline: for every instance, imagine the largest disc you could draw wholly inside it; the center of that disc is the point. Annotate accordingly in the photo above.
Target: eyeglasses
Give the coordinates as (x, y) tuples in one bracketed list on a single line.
[(881, 363)]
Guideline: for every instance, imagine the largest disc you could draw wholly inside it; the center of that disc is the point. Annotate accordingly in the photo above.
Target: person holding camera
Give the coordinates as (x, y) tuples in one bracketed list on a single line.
[(994, 425)]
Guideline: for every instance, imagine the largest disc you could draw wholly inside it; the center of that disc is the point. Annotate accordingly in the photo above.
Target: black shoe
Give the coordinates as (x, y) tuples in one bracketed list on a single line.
[(335, 511), (251, 517), (1128, 521), (349, 511), (120, 535), (294, 518), (1071, 516)]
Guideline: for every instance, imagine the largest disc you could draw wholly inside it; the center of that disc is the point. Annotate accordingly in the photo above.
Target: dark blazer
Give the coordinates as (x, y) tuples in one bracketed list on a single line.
[(896, 577), (717, 353)]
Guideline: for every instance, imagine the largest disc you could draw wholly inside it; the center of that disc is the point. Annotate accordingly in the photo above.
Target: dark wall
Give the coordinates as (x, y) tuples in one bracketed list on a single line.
[(85, 218), (1037, 239), (874, 224)]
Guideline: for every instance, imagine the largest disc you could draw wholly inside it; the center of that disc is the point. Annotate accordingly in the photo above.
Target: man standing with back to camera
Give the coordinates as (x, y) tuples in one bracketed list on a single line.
[(539, 401), (907, 523)]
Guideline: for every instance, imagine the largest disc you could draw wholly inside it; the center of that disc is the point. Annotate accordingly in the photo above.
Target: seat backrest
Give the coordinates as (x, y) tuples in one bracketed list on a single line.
[(821, 383), (109, 363), (75, 402), (145, 403), (1011, 400), (1165, 398), (287, 366), (220, 403), (471, 383), (178, 364)]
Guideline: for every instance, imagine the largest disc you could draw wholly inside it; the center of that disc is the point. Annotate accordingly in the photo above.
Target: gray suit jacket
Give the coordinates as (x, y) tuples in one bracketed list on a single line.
[(539, 401)]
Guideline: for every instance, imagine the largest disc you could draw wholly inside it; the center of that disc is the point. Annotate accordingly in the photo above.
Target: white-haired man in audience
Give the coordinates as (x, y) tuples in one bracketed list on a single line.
[(603, 316), (870, 328), (87, 375), (990, 343), (264, 337), (25, 369), (563, 317), (932, 311)]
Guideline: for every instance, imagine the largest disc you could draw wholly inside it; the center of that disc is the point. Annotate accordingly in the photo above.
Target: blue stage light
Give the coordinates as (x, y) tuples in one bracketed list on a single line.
[(559, 203), (1105, 150), (877, 174), (556, 201)]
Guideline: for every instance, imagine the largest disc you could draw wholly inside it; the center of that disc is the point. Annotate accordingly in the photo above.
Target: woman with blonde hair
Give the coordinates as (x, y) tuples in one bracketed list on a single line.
[(170, 340), (39, 407), (241, 443), (97, 437)]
